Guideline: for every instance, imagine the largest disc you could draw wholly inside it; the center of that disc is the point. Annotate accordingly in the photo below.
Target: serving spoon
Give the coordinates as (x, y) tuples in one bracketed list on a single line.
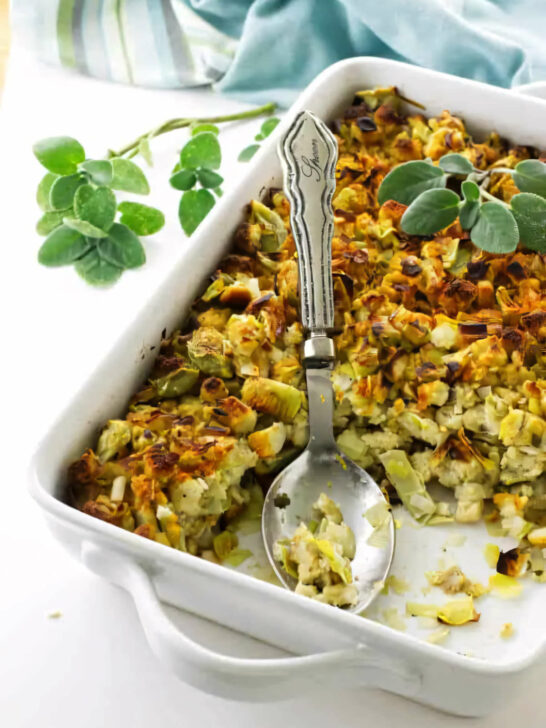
[(308, 153)]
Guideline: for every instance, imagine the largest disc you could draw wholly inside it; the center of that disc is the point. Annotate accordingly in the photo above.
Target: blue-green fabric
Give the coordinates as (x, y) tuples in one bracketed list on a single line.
[(270, 49)]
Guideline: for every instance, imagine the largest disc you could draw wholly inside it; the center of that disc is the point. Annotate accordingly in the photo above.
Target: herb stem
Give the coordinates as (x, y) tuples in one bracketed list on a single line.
[(132, 148), (489, 196)]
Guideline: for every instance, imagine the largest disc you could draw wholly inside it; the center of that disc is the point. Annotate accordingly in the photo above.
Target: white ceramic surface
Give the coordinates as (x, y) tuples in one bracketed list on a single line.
[(337, 648)]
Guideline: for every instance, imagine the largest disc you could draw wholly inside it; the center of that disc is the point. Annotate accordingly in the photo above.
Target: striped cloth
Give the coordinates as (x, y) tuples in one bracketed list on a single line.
[(145, 42)]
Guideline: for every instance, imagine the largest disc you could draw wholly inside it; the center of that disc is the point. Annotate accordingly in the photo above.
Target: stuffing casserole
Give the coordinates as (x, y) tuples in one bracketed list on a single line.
[(440, 377)]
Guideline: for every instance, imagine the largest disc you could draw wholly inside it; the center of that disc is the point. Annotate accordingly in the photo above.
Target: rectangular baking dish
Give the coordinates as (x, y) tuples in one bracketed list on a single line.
[(467, 676)]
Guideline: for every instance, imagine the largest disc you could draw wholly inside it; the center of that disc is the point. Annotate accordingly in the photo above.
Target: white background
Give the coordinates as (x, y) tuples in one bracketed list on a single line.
[(92, 667)]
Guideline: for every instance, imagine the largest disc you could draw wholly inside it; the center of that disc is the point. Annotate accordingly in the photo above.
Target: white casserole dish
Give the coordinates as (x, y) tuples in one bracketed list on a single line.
[(334, 647)]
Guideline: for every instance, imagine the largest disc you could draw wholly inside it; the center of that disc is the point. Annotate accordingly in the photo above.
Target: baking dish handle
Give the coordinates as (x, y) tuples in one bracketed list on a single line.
[(241, 678)]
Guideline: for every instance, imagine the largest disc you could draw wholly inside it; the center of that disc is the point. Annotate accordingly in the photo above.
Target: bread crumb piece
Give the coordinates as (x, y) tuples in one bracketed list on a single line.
[(507, 630), (57, 614)]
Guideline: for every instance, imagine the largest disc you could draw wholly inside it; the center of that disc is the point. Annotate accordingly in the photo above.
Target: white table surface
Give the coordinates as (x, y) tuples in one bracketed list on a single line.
[(93, 667)]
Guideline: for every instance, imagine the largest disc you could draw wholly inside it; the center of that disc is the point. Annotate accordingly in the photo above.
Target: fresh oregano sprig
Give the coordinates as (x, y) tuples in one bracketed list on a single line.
[(199, 158), (79, 212), (267, 127), (495, 226)]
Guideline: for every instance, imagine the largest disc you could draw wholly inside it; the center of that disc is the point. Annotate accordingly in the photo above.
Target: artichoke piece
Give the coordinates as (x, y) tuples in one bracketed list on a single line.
[(114, 437), (276, 398), (374, 98), (273, 230), (206, 351), (269, 466), (269, 442), (213, 389), (408, 484), (236, 415), (176, 382)]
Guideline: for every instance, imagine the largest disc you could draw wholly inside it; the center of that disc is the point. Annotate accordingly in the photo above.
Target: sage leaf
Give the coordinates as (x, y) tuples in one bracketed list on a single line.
[(248, 152), (44, 188), (455, 163), (49, 221), (407, 181), (141, 219), (268, 126), (202, 150), (470, 190), (62, 246), (208, 178), (63, 189), (530, 176), (183, 180), (60, 155), (433, 210), (529, 211), (198, 128), (496, 230), (95, 205), (122, 245), (96, 270), (259, 137), (194, 207), (100, 171), (468, 214), (84, 227), (129, 177)]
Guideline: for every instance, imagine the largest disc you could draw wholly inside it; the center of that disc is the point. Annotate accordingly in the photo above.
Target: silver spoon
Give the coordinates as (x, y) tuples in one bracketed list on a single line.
[(308, 153)]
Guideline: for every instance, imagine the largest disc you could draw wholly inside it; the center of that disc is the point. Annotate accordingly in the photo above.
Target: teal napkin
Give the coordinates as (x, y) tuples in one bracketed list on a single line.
[(263, 50)]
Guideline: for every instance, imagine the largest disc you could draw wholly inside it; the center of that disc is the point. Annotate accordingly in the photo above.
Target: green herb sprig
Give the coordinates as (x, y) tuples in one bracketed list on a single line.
[(494, 225), (79, 212), (267, 127)]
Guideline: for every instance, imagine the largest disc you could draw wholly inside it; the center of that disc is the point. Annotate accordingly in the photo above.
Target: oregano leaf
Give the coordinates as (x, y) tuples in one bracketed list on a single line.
[(62, 246), (530, 176), (407, 181), (44, 188), (198, 128), (141, 219), (247, 153), (129, 177), (433, 210), (95, 205), (84, 227), (455, 163), (183, 180), (60, 155), (268, 126), (208, 178), (145, 151), (96, 270), (194, 207), (496, 230), (100, 171), (128, 247), (63, 190), (202, 150), (50, 220), (529, 211)]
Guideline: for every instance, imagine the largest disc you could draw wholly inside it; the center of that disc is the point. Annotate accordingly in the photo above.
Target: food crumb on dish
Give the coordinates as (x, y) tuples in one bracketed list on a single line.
[(507, 630), (453, 581), (491, 553), (321, 561), (506, 587), (55, 614), (392, 618), (438, 636), (455, 613)]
